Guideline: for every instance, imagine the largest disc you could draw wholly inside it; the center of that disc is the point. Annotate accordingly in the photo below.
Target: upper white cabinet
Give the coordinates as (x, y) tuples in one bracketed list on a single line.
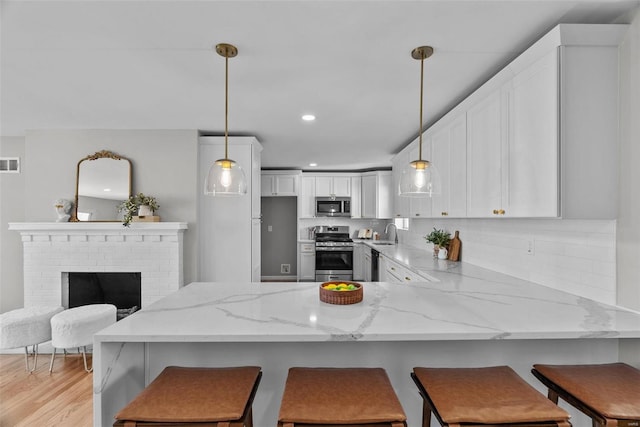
[(376, 194), (449, 154), (484, 156), (307, 199), (356, 196), (280, 183), (541, 135), (333, 186)]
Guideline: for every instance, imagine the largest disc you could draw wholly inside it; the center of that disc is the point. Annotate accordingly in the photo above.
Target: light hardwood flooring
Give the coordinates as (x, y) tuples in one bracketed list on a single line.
[(63, 398)]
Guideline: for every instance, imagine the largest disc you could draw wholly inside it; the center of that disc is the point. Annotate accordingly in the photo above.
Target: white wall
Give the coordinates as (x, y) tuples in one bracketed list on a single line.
[(628, 233), (576, 256), (164, 165), (12, 196)]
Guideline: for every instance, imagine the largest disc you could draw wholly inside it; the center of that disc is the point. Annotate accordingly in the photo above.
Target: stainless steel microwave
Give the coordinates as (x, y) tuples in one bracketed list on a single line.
[(333, 206)]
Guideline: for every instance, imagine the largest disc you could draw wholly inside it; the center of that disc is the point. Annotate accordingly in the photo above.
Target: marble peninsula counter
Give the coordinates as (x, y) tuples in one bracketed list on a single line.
[(469, 317)]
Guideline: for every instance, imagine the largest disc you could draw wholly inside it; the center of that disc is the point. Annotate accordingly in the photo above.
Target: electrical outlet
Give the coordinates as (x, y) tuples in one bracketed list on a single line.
[(269, 228), (285, 268), (531, 249)]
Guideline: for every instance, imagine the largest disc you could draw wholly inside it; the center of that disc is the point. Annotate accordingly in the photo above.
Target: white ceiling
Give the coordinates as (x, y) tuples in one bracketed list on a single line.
[(150, 65)]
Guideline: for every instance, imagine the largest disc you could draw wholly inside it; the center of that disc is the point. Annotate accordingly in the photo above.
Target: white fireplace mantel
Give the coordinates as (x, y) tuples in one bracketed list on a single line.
[(52, 249)]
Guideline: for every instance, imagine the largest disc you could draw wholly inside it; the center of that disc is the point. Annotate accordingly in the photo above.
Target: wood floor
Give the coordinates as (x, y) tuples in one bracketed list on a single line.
[(39, 399)]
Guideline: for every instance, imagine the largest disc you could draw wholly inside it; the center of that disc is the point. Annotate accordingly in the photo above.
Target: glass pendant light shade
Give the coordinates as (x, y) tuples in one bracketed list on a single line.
[(225, 178), (420, 178)]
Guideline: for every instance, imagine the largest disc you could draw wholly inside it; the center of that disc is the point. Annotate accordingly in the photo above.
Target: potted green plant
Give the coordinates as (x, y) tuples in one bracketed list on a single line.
[(439, 238), (136, 203)]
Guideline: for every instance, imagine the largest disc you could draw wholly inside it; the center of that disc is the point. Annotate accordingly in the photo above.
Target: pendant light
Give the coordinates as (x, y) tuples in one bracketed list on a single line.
[(225, 177), (420, 178)]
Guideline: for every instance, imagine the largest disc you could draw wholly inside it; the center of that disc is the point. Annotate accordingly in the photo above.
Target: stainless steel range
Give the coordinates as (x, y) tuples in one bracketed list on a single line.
[(334, 253)]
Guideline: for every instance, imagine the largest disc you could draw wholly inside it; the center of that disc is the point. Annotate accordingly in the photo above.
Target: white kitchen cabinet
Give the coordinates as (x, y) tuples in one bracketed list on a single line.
[(358, 260), (376, 194), (333, 186), (356, 196), (307, 198), (449, 156), (307, 262), (366, 265), (400, 203), (485, 138), (280, 183), (392, 271), (229, 227)]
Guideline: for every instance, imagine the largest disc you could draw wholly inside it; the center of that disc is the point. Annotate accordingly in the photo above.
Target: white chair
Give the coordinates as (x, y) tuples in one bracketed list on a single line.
[(75, 328), (27, 326)]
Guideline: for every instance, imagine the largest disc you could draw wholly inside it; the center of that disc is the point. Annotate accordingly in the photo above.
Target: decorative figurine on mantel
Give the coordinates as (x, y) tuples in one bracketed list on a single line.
[(63, 207)]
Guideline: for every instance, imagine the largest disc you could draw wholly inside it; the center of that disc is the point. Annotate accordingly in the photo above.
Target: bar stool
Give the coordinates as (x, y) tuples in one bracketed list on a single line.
[(183, 396), (339, 397), (481, 396), (607, 393)]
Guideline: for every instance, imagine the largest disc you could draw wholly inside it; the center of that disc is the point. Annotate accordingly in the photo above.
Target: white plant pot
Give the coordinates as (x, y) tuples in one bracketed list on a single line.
[(145, 210)]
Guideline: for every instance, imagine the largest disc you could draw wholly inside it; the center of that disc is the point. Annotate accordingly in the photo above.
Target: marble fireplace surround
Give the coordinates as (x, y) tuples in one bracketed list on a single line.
[(52, 250)]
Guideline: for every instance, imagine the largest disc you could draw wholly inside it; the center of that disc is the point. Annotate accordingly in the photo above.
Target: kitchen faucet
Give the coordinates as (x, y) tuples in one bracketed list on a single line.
[(386, 230)]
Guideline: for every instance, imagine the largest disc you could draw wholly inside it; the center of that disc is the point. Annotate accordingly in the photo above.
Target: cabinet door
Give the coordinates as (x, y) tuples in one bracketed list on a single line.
[(532, 170), (449, 155), (256, 262), (342, 186), (267, 188), (400, 203), (308, 266), (358, 261), (367, 265), (324, 186), (420, 207), (307, 199), (368, 195), (356, 198), (286, 185), (484, 156)]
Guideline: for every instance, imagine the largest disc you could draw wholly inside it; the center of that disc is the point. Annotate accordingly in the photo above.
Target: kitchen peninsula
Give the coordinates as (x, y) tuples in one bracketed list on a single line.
[(469, 317)]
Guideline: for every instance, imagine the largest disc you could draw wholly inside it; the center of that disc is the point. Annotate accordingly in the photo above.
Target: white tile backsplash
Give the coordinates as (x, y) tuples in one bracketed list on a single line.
[(576, 256)]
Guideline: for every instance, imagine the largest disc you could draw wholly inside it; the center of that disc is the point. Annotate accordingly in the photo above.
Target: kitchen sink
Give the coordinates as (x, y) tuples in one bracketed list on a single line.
[(383, 243)]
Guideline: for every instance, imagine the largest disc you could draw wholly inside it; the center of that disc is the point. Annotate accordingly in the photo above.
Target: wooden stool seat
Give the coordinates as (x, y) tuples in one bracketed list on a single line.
[(480, 396), (182, 395), (340, 396), (608, 393)]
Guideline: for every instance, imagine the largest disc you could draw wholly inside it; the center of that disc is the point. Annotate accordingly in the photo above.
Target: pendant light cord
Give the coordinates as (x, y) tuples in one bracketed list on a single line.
[(421, 94), (226, 107)]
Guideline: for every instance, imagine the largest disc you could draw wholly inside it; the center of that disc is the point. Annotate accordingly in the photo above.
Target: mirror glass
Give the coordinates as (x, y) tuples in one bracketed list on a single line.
[(103, 182)]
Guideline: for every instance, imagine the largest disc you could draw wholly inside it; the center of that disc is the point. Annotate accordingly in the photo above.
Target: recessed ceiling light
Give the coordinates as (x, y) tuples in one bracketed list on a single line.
[(313, 164), (308, 117), (107, 189)]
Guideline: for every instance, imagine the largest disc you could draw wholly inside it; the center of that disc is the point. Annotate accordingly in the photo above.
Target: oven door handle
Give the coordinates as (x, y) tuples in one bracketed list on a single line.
[(334, 248)]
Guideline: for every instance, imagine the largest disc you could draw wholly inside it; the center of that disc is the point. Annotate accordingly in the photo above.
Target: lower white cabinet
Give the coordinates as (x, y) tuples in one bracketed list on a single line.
[(358, 260), (391, 271), (366, 265), (307, 262)]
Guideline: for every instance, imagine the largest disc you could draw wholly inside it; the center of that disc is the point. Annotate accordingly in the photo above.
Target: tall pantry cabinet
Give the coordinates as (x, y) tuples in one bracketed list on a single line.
[(229, 227)]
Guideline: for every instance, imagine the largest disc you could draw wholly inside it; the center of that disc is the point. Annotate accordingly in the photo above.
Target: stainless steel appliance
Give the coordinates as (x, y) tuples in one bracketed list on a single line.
[(334, 253), (375, 265), (333, 206)]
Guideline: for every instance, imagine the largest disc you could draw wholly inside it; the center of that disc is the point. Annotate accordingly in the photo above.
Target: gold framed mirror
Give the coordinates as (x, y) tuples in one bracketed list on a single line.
[(103, 181)]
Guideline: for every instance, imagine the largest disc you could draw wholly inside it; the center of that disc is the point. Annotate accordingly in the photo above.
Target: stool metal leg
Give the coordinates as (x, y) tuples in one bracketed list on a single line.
[(53, 355), (84, 358), (35, 358)]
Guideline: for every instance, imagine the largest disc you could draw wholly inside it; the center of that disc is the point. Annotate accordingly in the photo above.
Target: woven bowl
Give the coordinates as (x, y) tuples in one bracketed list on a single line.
[(341, 297)]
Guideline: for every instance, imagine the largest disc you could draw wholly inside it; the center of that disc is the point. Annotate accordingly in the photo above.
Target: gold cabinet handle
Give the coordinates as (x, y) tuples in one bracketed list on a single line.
[(393, 269), (501, 212), (408, 279), (417, 214), (444, 213), (495, 211)]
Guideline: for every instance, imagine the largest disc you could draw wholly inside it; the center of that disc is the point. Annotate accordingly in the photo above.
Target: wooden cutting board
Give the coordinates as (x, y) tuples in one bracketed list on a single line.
[(454, 247)]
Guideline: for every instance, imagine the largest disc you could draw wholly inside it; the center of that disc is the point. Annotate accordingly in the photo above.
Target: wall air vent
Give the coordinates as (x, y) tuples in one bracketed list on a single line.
[(9, 164)]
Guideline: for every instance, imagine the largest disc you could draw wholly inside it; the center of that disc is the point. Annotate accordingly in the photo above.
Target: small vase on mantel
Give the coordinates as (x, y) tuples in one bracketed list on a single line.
[(436, 249), (145, 210)]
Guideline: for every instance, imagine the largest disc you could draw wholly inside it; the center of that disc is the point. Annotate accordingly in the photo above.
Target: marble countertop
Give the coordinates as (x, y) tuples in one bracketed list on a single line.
[(467, 303)]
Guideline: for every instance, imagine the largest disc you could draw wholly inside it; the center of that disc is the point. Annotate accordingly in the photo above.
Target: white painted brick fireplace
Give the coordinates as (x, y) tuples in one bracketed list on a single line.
[(52, 250)]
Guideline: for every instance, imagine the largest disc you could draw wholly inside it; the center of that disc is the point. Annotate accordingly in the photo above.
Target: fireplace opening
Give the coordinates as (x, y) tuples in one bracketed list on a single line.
[(120, 289)]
